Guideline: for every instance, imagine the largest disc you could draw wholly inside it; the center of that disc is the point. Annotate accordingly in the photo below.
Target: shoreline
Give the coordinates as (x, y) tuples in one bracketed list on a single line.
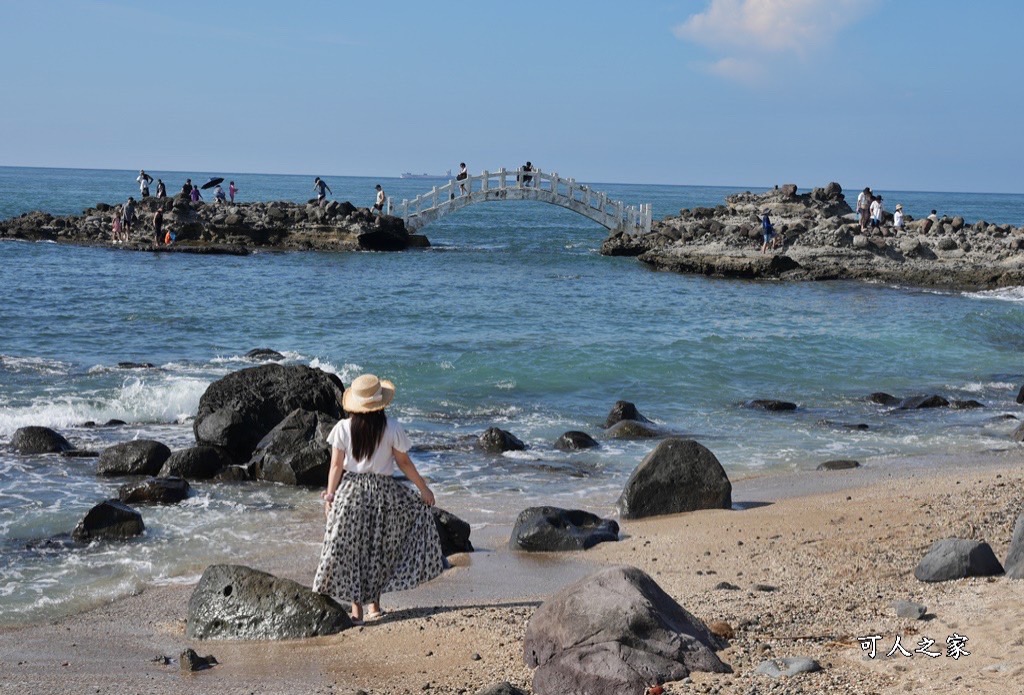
[(837, 546)]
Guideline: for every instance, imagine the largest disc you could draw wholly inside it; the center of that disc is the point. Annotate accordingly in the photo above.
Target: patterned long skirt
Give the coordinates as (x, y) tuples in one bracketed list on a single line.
[(380, 537)]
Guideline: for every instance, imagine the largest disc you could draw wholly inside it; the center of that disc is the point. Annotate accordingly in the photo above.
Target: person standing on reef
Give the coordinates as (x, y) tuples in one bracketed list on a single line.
[(158, 223), (127, 218), (876, 213), (115, 226), (218, 194), (322, 189), (380, 535), (195, 195), (186, 189), (767, 232), (864, 199), (232, 189), (378, 204), (161, 189), (897, 217), (144, 180), (462, 176)]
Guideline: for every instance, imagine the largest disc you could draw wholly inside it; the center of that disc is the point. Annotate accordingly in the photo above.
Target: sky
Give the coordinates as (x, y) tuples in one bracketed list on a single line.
[(897, 94)]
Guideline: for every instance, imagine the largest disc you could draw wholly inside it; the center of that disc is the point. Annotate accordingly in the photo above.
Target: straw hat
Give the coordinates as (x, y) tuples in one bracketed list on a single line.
[(899, 206), (367, 393)]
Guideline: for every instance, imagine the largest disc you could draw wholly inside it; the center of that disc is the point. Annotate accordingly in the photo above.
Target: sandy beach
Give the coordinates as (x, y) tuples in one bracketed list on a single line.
[(816, 557)]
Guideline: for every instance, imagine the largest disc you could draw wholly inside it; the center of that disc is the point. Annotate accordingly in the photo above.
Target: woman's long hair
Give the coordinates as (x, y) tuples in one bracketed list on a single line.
[(367, 431)]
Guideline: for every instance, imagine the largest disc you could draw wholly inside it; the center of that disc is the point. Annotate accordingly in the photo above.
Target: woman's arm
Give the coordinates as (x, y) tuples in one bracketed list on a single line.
[(409, 468), (333, 478)]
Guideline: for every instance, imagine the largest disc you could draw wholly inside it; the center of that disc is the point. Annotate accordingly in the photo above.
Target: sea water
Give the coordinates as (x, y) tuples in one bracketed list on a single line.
[(511, 319)]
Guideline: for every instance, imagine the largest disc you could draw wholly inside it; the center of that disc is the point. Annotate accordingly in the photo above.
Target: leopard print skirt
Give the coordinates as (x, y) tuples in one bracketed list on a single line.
[(380, 537)]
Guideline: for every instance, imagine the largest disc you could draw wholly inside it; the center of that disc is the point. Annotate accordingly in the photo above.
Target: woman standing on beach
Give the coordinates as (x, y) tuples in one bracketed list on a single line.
[(380, 535)]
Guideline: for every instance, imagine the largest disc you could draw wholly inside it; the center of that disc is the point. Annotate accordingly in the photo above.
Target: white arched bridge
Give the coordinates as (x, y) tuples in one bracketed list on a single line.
[(520, 184)]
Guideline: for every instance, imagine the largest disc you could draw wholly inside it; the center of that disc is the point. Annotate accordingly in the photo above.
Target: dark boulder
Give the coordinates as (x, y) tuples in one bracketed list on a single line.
[(838, 465), (1015, 558), (574, 441), (503, 688), (191, 661), (196, 463), (264, 355), (679, 475), (496, 440), (1020, 395), (956, 558), (454, 532), (623, 410), (614, 632), (632, 429), (237, 411), (969, 404), (237, 602), (919, 402), (770, 405), (39, 440), (155, 491), (137, 457), (234, 474), (80, 454), (296, 451), (110, 519), (882, 398), (540, 529)]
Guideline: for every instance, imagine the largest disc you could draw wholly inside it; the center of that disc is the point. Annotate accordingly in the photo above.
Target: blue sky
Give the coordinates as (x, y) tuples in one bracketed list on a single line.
[(898, 94)]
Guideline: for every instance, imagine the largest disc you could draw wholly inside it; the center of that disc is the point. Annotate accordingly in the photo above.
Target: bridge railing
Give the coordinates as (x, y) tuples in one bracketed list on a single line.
[(612, 214)]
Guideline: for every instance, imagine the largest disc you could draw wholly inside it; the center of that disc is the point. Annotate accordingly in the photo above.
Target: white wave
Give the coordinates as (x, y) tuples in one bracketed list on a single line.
[(37, 365), (1006, 294)]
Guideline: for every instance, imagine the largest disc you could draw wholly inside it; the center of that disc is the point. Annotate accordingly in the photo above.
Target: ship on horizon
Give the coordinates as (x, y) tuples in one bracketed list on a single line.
[(410, 175)]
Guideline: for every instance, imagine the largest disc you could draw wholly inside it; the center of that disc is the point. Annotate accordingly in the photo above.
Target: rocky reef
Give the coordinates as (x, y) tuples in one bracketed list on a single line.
[(225, 228), (820, 239)]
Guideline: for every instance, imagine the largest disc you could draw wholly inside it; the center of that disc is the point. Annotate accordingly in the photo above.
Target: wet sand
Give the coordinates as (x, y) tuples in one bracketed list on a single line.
[(837, 548)]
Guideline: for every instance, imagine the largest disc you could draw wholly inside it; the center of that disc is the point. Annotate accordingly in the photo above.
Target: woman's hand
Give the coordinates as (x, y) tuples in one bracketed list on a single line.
[(428, 496), (328, 501)]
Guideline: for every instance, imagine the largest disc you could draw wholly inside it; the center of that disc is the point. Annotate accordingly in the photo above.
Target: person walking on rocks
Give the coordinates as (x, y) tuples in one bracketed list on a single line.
[(232, 189), (876, 213), (115, 226), (144, 180), (380, 535), (161, 189), (897, 218), (218, 194), (864, 199), (158, 223), (322, 189), (195, 195), (186, 189), (767, 232), (128, 218), (378, 204)]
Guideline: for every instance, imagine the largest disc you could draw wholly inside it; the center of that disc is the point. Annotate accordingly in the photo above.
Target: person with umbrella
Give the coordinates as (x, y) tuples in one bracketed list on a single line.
[(319, 186)]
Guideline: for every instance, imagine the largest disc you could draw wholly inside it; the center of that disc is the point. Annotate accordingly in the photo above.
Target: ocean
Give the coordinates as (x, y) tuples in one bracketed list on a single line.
[(511, 319)]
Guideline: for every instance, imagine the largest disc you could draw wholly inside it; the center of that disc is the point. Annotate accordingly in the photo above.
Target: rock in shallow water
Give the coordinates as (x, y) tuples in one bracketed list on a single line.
[(137, 457), (540, 529), (112, 520), (679, 475), (155, 491), (39, 440), (574, 441), (496, 441)]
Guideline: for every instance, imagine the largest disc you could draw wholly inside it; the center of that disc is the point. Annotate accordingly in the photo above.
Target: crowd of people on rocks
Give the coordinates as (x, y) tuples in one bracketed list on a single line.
[(871, 214)]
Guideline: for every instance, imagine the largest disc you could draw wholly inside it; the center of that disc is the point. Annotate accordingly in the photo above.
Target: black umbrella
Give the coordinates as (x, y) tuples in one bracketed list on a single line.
[(212, 182)]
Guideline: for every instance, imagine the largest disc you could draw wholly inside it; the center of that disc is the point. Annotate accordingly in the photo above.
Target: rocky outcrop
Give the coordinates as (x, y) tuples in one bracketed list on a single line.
[(679, 475), (615, 632), (547, 529), (237, 411), (496, 441), (137, 457), (1015, 556), (155, 491), (227, 228), (821, 240), (238, 602), (575, 440), (109, 520), (39, 440), (296, 451), (624, 410), (196, 463)]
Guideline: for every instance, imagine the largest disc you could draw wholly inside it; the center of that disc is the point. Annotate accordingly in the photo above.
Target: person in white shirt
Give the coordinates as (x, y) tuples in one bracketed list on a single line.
[(144, 180), (462, 176), (863, 205), (876, 212), (380, 534), (897, 217), (378, 205)]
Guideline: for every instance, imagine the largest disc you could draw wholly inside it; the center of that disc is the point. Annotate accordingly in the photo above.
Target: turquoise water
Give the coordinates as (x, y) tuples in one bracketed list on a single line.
[(511, 319)]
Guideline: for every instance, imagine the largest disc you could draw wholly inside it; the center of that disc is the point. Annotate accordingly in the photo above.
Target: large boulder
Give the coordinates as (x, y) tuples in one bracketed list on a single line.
[(453, 531), (623, 410), (957, 558), (137, 457), (679, 475), (238, 602), (1015, 558), (296, 451), (496, 440), (554, 529), (195, 463), (39, 440), (575, 440), (237, 411), (615, 632), (110, 520), (155, 491)]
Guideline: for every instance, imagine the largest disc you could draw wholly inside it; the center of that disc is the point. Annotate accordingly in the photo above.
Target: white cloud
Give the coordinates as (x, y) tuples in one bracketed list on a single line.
[(749, 31)]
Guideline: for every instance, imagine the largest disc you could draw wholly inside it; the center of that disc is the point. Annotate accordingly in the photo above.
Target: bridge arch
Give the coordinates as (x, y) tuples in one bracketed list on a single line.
[(522, 185)]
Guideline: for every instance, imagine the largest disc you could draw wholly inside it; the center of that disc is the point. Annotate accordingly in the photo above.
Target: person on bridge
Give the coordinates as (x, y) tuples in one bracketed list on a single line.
[(322, 189), (378, 205), (525, 177), (462, 176)]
